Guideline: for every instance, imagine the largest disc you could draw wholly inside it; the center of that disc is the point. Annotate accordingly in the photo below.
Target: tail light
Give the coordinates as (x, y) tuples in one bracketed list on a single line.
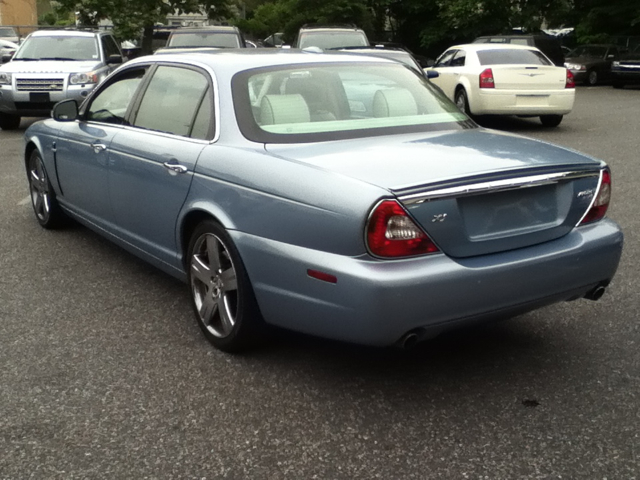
[(603, 196), (392, 233), (486, 79), (571, 82)]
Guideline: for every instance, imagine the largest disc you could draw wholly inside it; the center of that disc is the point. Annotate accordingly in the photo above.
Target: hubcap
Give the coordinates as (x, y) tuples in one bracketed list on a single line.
[(39, 188), (214, 285), (461, 103)]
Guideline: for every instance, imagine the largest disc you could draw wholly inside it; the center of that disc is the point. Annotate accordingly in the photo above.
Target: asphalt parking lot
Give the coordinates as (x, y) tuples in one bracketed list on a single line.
[(105, 374)]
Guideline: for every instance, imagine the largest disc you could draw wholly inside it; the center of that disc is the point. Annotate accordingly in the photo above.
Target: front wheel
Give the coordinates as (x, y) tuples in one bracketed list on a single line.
[(462, 102), (551, 120), (221, 293), (592, 78), (43, 198), (9, 122)]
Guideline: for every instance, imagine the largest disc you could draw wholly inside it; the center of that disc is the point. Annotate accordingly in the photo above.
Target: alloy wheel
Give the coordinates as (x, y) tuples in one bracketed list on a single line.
[(39, 185), (214, 285)]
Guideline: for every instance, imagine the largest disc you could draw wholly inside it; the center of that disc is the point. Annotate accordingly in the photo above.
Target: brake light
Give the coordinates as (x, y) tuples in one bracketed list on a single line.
[(486, 79), (601, 203), (392, 233), (571, 82)]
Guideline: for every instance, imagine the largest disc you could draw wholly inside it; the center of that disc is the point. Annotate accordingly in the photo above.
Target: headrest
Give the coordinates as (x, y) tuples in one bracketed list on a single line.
[(275, 109), (394, 102)]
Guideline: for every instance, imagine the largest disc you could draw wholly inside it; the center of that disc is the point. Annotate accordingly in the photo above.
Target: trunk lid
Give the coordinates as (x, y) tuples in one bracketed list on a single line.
[(474, 192), (528, 77)]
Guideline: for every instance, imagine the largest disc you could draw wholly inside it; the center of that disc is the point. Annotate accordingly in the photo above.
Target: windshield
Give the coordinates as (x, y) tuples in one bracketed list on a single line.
[(512, 57), (59, 48), (330, 101), (224, 40), (7, 32), (333, 39)]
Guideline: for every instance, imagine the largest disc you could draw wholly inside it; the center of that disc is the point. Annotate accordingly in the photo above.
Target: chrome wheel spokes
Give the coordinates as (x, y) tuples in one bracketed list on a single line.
[(39, 185), (214, 285)]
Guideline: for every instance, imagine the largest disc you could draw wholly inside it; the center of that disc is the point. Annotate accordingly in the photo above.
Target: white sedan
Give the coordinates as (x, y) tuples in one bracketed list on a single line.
[(492, 79)]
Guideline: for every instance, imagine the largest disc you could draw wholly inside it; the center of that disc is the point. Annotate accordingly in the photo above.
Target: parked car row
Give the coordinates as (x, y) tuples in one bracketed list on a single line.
[(340, 192)]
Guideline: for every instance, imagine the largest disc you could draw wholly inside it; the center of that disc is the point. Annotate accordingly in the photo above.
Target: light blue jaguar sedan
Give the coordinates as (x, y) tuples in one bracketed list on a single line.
[(341, 196)]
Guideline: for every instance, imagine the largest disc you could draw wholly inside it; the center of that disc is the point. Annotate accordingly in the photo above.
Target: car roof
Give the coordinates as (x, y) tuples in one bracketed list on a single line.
[(492, 46), (238, 59), (65, 33)]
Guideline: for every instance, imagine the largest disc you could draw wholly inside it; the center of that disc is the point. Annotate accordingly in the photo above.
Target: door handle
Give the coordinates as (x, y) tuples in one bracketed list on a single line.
[(174, 167), (98, 147)]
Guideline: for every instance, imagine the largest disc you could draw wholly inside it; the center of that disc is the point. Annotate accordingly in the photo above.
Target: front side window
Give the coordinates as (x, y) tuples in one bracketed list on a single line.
[(445, 59), (459, 59), (512, 57), (109, 46), (111, 103), (329, 101), (59, 48), (172, 101)]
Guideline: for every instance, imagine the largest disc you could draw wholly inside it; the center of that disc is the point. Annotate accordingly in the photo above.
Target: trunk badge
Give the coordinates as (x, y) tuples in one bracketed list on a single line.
[(440, 217)]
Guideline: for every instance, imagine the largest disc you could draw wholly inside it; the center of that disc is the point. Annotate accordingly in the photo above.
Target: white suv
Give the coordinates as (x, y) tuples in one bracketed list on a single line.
[(54, 65)]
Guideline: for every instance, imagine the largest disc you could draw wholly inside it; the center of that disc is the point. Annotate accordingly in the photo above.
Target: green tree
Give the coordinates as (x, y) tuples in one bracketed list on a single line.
[(131, 17)]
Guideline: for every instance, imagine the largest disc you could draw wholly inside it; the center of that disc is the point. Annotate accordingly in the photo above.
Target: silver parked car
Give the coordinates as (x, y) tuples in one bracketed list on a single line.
[(341, 196), (54, 65)]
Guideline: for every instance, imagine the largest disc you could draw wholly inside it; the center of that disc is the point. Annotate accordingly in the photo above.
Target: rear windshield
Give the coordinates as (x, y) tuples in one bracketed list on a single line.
[(333, 39), (306, 103), (221, 40), (59, 48), (512, 57)]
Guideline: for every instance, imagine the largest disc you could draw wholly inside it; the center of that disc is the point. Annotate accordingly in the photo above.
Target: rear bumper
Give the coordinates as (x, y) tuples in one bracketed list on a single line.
[(376, 302), (512, 102)]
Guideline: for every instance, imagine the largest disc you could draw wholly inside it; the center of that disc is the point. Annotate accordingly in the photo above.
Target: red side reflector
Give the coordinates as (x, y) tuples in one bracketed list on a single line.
[(325, 277)]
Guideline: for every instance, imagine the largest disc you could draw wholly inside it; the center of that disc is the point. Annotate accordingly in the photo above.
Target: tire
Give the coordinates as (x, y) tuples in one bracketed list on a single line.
[(592, 78), (43, 198), (221, 293), (9, 122), (462, 101), (551, 120)]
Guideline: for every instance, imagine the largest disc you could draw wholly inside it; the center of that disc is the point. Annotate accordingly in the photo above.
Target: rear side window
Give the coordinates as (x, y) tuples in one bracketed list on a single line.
[(519, 41), (172, 101), (512, 57)]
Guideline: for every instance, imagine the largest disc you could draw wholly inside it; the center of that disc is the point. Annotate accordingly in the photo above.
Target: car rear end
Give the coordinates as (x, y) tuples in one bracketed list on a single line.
[(521, 81)]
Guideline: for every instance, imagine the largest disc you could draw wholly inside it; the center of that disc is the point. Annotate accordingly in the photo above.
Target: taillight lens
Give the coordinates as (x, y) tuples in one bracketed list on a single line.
[(392, 233), (486, 79), (601, 203), (571, 82)]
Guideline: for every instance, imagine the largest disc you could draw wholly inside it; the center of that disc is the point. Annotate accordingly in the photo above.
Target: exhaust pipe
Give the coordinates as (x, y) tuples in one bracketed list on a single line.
[(408, 341), (596, 293)]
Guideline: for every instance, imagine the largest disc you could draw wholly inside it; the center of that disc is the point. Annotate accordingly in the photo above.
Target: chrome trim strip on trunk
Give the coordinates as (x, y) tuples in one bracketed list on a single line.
[(495, 186)]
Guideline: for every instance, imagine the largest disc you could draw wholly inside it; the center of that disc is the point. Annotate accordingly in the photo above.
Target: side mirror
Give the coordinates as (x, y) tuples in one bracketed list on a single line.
[(432, 74), (65, 111), (114, 59), (611, 56), (7, 57)]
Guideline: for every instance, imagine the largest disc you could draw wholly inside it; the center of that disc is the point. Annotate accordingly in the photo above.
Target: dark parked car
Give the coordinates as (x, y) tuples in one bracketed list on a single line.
[(591, 64), (626, 71), (547, 44), (330, 36), (336, 195), (198, 37)]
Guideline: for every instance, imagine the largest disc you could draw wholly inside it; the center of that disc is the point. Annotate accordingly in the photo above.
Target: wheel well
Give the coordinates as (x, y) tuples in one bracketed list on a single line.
[(189, 224), (458, 88), (28, 151)]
